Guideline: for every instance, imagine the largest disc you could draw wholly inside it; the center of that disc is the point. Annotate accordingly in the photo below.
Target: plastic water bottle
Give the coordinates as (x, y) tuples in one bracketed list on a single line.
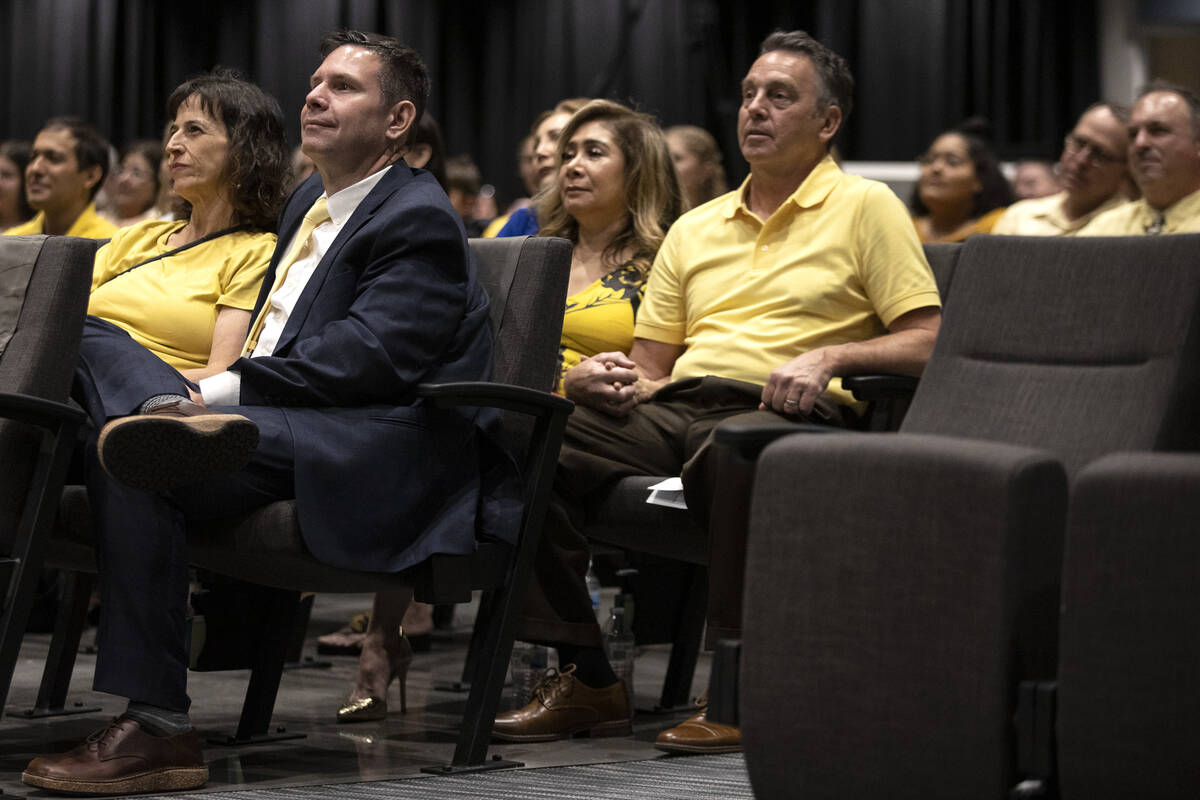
[(593, 587), (618, 645), (528, 663)]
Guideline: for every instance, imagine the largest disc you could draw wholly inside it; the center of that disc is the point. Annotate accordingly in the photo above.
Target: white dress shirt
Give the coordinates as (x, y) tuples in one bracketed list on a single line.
[(225, 388)]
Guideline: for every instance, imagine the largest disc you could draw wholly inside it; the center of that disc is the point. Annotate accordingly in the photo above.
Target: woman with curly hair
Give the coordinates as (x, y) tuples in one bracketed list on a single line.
[(961, 189), (615, 194), (184, 289)]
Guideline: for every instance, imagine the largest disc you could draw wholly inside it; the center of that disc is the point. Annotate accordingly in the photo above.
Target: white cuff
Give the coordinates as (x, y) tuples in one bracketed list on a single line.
[(222, 389)]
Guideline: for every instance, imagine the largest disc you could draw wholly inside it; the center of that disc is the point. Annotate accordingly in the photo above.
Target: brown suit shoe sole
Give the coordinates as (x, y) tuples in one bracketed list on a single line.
[(615, 727), (167, 779), (154, 453)]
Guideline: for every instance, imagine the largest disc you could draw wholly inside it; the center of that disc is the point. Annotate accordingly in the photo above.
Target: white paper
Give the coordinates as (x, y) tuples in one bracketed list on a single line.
[(668, 493)]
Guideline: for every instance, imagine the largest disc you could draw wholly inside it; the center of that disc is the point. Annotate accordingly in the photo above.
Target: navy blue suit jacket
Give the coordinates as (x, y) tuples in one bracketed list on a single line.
[(383, 480)]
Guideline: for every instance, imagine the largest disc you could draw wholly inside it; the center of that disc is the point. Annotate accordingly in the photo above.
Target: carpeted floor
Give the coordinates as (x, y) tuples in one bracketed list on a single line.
[(685, 778)]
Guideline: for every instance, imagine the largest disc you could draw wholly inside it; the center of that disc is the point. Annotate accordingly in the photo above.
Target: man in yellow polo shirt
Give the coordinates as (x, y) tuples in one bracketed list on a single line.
[(1093, 170), (70, 160), (1164, 157), (757, 303)]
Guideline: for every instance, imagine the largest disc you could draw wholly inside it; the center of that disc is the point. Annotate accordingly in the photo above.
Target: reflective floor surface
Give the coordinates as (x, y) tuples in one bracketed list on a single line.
[(308, 699)]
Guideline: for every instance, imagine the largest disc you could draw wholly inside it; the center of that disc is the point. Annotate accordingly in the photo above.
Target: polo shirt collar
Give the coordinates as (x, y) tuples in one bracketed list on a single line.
[(811, 192)]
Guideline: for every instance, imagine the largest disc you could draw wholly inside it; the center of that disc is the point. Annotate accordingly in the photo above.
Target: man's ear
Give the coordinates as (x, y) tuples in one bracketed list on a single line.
[(92, 175), (831, 122), (400, 119)]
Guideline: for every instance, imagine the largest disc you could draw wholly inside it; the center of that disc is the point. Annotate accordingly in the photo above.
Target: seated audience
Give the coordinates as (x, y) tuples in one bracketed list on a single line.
[(546, 128), (527, 169), (1034, 178), (184, 289), (14, 205), (463, 184), (755, 303), (67, 167), (1093, 172), (135, 184), (320, 406), (1164, 157), (614, 198), (961, 189), (698, 164), (302, 167)]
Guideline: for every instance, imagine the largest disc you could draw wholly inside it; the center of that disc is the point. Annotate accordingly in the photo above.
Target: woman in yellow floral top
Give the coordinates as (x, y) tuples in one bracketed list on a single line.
[(614, 196)]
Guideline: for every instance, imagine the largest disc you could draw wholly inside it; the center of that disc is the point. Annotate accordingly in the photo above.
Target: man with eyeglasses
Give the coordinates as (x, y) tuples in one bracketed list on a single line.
[(1164, 157), (1092, 171)]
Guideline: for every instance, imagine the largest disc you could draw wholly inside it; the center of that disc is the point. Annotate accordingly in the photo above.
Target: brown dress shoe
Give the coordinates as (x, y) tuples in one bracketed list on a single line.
[(122, 759), (175, 444), (562, 707), (697, 735)]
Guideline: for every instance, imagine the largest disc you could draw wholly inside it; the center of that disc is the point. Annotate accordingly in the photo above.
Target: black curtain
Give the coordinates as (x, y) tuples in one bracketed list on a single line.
[(921, 65)]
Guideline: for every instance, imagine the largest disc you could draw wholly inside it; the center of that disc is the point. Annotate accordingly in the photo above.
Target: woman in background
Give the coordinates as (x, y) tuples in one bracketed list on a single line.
[(136, 183), (14, 204), (961, 189), (545, 131), (698, 164)]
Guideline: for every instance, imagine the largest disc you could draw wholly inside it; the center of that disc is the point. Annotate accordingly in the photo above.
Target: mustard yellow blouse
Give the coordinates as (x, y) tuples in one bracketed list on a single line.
[(599, 318)]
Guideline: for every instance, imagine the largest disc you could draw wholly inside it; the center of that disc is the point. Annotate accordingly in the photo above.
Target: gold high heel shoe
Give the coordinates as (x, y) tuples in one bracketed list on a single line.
[(372, 709)]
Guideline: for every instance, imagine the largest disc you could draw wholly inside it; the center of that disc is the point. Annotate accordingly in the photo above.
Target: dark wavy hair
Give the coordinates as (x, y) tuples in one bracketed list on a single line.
[(995, 190), (19, 153), (259, 167)]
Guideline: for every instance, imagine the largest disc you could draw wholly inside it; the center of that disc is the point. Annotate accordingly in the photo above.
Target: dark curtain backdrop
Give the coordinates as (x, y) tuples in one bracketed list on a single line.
[(921, 65)]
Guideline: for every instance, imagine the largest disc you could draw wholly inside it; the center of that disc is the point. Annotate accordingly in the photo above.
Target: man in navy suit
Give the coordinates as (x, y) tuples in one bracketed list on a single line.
[(372, 290)]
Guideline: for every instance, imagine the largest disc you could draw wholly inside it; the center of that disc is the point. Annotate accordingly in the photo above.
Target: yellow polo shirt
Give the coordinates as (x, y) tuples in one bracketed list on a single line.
[(1134, 217), (838, 262), (1043, 216), (88, 225)]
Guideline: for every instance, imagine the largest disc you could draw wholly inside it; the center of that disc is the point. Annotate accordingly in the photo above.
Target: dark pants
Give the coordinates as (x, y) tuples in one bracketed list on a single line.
[(670, 435), (141, 548)]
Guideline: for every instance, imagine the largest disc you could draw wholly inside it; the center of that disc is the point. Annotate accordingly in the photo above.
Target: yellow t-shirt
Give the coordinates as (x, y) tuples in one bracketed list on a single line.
[(838, 262), (1043, 216), (170, 305), (88, 225), (599, 318), (1136, 216)]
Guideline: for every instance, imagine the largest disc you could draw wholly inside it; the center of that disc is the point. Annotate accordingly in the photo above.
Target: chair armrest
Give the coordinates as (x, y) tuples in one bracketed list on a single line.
[(495, 395), (39, 411), (879, 387), (748, 439)]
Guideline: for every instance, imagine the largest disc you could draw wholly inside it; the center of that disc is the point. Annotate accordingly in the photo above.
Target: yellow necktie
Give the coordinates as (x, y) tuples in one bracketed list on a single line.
[(301, 246)]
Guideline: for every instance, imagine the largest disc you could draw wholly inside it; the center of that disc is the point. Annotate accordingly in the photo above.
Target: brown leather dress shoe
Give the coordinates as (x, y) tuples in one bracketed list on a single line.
[(697, 735), (122, 759), (175, 444), (562, 707)]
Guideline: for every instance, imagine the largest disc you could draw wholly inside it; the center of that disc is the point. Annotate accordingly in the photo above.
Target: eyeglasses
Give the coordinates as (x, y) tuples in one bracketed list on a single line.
[(135, 172), (1073, 145)]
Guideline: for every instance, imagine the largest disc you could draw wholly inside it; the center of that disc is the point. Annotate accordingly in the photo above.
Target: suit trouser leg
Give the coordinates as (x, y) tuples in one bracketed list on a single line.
[(141, 547)]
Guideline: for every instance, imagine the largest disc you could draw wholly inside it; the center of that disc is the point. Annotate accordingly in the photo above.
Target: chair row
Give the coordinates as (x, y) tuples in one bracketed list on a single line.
[(906, 585)]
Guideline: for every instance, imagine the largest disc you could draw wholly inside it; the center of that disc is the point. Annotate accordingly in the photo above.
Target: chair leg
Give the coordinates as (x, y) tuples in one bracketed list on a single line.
[(60, 661), (685, 649), (278, 609)]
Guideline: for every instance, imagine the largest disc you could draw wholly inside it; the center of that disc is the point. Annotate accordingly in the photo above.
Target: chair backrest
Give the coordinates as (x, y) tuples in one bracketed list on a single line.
[(39, 359), (1128, 710), (526, 312), (942, 259), (1078, 346)]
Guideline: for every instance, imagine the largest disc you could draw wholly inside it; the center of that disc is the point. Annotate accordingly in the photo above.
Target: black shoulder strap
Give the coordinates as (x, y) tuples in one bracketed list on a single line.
[(188, 246)]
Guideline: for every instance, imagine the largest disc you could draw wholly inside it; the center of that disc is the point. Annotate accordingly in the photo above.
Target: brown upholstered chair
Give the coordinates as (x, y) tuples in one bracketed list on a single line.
[(45, 283), (904, 584)]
